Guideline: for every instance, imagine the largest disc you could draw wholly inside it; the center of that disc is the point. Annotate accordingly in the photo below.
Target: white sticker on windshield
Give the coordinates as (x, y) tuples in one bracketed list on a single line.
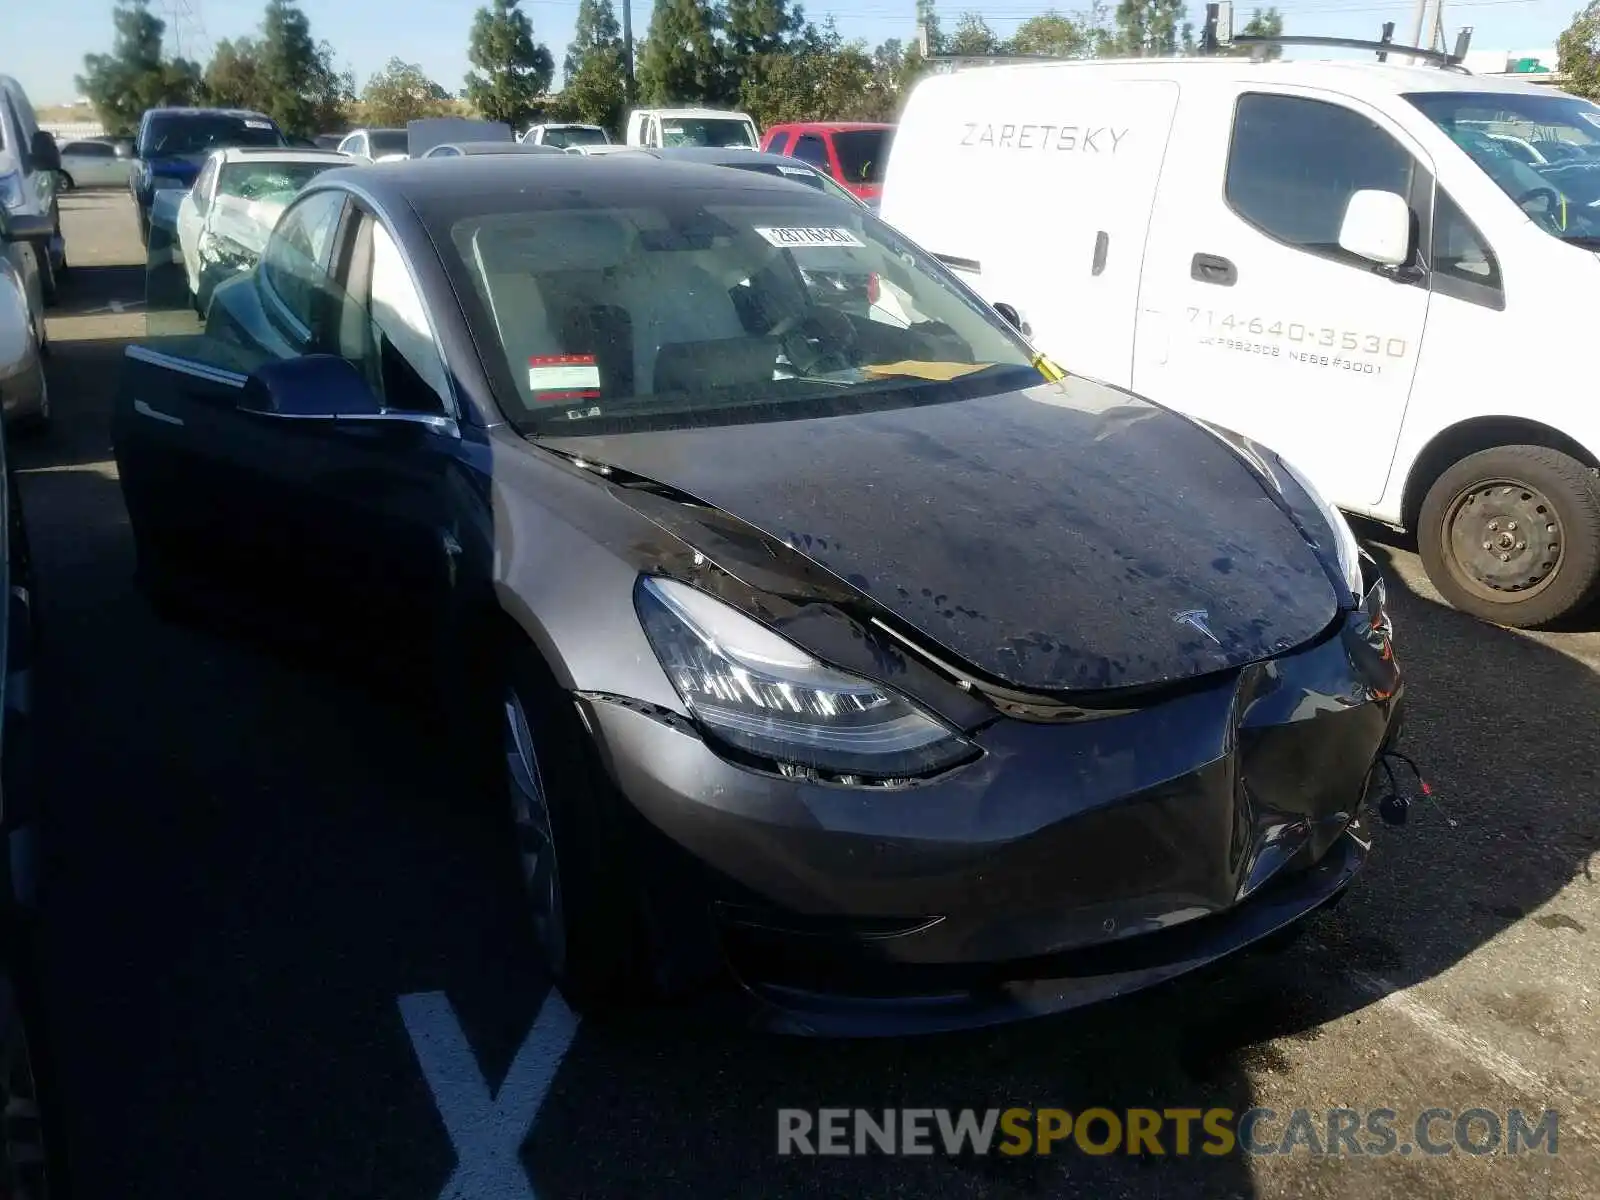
[(258, 124), (810, 238), (783, 170)]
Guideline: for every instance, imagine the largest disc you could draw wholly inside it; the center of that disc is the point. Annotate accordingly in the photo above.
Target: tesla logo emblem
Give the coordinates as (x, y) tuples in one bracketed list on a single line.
[(1195, 618)]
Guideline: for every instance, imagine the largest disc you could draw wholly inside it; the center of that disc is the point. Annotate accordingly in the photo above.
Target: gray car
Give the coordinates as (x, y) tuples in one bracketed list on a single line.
[(24, 392)]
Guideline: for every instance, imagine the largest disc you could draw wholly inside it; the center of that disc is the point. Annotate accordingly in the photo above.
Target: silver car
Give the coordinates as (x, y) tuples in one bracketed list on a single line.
[(24, 396)]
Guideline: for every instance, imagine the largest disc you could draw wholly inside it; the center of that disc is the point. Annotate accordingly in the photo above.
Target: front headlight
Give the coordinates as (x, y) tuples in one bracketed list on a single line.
[(11, 191), (1344, 538), (761, 694), (225, 251)]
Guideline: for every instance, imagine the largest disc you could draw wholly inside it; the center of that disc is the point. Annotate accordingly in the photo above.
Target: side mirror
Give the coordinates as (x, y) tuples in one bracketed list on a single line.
[(1377, 227), (44, 151), (1012, 317), (311, 386)]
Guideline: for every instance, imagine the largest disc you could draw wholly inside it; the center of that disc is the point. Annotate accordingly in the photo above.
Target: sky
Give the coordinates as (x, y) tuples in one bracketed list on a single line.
[(365, 34)]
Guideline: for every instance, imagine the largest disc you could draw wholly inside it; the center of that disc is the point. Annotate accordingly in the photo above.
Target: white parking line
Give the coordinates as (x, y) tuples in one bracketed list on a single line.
[(487, 1130), (1511, 1071)]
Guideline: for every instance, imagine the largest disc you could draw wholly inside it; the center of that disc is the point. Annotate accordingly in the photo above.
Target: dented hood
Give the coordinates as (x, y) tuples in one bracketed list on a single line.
[(1060, 538)]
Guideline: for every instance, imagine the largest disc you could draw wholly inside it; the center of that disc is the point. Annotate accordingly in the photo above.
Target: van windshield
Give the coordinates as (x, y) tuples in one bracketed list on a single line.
[(706, 131), (1543, 152)]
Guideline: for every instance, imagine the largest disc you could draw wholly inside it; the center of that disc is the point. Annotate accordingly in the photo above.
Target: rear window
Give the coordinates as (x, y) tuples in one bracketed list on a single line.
[(721, 132), (197, 133), (575, 137), (863, 154), (803, 175), (388, 141)]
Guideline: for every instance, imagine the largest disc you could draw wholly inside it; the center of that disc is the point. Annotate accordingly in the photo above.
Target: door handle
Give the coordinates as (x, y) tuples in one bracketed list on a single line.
[(1213, 268), (144, 410)]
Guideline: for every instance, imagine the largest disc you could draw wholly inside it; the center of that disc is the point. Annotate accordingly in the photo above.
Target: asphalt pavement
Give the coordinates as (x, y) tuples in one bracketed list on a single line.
[(287, 956)]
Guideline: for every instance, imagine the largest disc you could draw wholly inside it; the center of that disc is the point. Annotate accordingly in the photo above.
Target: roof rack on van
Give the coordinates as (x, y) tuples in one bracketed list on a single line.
[(1450, 60)]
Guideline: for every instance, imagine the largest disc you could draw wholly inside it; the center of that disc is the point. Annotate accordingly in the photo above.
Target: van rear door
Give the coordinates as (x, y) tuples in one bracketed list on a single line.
[(1036, 185)]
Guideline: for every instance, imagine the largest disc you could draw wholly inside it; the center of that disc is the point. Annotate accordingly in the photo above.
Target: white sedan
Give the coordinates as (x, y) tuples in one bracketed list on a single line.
[(93, 163), (224, 219)]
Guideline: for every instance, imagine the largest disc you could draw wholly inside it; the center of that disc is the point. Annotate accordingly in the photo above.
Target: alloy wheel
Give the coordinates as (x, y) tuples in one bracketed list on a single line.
[(530, 810)]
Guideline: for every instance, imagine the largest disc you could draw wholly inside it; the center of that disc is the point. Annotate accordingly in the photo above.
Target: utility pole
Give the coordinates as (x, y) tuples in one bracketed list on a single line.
[(1420, 17), (1436, 38), (628, 89)]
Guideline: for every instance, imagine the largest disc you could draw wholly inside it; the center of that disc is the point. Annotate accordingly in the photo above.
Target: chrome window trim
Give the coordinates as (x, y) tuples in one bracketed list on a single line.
[(185, 366)]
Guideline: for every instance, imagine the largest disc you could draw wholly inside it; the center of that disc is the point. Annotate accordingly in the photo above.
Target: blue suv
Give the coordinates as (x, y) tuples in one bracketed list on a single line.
[(173, 144)]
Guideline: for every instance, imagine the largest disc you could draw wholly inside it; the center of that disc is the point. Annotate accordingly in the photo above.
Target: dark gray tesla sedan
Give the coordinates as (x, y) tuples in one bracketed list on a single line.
[(865, 659)]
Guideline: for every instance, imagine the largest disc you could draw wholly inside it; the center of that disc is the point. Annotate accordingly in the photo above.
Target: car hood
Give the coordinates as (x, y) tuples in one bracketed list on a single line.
[(1062, 538), (246, 222), (179, 166)]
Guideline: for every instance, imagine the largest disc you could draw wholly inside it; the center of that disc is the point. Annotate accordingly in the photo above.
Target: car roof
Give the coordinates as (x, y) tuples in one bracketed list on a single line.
[(1352, 77), (242, 113), (831, 126), (600, 180), (231, 154), (723, 155)]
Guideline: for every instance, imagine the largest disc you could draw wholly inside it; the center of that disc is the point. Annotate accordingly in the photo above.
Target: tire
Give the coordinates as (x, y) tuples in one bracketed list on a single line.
[(67, 184), (1493, 498), (587, 913), (48, 288)]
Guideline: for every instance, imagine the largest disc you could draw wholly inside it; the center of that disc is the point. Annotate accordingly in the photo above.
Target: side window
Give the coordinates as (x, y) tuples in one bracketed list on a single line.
[(1462, 263), (1294, 164), (402, 359), (810, 149), (202, 185), (99, 150), (295, 263)]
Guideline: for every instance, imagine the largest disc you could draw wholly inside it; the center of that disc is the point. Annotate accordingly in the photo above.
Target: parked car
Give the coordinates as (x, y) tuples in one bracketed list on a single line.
[(691, 127), (937, 723), (376, 145), (457, 149), (854, 154), (563, 135), (23, 304), (32, 1157), (328, 141), (1315, 254), (223, 220), (173, 144), (29, 160), (24, 392), (92, 164)]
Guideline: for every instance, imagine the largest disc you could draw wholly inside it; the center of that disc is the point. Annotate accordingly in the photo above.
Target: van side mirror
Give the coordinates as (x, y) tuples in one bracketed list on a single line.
[(1377, 227), (43, 150), (310, 386)]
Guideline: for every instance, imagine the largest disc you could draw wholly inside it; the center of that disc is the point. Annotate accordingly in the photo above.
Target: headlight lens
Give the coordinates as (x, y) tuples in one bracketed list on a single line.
[(763, 695), (225, 251), (11, 191), (1348, 549)]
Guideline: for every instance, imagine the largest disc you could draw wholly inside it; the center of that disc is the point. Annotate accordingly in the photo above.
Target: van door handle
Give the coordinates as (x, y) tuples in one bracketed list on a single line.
[(1213, 268)]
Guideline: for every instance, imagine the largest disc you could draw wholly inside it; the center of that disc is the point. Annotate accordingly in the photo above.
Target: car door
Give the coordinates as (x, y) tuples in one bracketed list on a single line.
[(1252, 316), (195, 476)]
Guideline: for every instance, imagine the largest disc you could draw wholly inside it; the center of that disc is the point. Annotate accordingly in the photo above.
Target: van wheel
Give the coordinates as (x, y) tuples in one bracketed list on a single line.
[(1512, 535)]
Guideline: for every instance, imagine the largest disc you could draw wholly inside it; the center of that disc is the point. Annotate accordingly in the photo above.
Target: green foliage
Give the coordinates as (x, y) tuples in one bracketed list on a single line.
[(682, 58), (401, 92), (1052, 34), (928, 20), (512, 72), (1263, 22), (297, 84), (972, 37), (1578, 53), (1152, 28), (135, 76), (592, 72), (233, 76), (820, 76), (756, 35)]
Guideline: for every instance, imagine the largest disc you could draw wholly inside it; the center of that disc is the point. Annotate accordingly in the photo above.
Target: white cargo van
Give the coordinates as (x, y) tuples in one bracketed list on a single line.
[(1386, 273), (29, 159)]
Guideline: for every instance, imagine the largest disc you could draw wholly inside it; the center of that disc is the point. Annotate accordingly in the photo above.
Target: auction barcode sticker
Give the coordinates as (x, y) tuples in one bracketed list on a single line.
[(563, 377), (789, 238)]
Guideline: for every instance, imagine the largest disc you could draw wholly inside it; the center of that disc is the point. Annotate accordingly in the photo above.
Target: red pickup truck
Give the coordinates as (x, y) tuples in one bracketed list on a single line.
[(854, 153)]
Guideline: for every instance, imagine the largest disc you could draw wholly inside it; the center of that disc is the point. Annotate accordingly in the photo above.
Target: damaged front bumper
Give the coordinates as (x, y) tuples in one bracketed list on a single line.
[(1070, 863)]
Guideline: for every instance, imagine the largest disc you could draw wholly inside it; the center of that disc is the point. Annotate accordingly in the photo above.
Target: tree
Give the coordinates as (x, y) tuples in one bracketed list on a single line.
[(928, 21), (592, 84), (972, 37), (681, 58), (1578, 53), (820, 76), (135, 76), (755, 32), (1151, 28), (298, 85), (1052, 34), (1266, 22), (233, 76), (400, 93), (512, 71)]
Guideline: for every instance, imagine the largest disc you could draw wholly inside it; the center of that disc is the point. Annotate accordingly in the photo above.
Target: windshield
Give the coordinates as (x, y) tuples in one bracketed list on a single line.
[(268, 180), (388, 141), (1543, 151), (863, 154), (200, 132), (706, 131), (721, 307), (575, 135)]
